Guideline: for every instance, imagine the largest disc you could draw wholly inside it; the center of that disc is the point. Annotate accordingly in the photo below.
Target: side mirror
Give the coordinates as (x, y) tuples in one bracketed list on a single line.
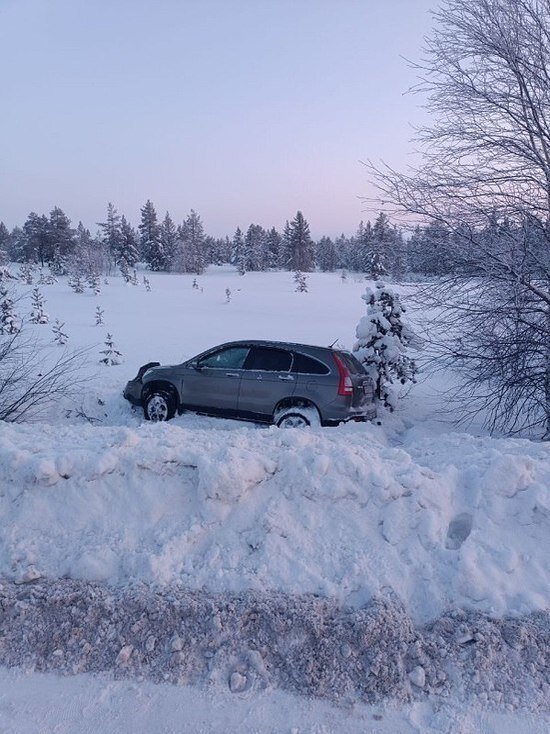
[(195, 365)]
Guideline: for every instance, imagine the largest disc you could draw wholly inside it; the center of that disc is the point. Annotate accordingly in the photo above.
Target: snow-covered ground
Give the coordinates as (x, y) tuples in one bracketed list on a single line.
[(438, 519)]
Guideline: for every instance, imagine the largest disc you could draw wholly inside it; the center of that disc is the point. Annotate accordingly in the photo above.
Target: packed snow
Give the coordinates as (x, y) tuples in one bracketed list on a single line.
[(438, 523)]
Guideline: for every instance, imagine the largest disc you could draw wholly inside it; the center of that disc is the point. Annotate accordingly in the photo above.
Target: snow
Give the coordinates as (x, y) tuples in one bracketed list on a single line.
[(442, 521)]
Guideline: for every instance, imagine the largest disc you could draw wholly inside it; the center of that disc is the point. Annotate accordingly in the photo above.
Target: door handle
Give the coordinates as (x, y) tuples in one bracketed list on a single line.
[(286, 378), (232, 374)]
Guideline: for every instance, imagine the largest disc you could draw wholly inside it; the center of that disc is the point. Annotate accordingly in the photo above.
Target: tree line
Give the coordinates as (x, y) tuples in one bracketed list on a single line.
[(378, 250)]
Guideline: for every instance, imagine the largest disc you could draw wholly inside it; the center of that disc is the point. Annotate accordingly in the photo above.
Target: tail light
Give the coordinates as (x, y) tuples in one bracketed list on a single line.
[(345, 385)]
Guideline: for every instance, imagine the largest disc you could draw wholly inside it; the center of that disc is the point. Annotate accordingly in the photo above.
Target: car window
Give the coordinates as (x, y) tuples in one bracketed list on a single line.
[(230, 358), (352, 363), (268, 359), (308, 365)]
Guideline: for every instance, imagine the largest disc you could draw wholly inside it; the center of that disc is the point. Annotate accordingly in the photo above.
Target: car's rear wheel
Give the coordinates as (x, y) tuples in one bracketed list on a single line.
[(159, 406)]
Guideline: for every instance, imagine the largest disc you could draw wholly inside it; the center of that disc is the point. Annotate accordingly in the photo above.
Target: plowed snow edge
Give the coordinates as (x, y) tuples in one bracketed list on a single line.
[(304, 645)]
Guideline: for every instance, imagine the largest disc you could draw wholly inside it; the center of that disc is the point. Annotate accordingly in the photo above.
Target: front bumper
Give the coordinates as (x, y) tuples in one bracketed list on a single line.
[(132, 392)]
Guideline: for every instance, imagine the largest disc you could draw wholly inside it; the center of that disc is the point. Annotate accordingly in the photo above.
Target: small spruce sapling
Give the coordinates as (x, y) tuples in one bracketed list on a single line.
[(195, 284), (227, 295), (146, 283), (382, 341), (59, 335), (26, 274), (9, 321), (38, 315), (301, 282), (99, 316), (111, 355)]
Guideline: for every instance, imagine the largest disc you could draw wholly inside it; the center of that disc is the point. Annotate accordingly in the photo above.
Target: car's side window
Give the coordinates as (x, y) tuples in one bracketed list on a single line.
[(308, 366), (268, 359), (231, 358)]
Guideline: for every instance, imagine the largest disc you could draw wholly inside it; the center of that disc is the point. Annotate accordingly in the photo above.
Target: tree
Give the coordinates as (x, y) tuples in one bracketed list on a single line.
[(61, 240), (38, 315), (168, 239), (128, 249), (151, 246), (382, 341), (238, 256), (326, 257), (255, 247), (111, 232), (301, 245), (486, 159), (111, 355), (191, 256), (36, 239)]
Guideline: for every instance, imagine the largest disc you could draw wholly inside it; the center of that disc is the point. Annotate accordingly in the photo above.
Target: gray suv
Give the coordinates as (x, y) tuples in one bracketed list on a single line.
[(291, 385)]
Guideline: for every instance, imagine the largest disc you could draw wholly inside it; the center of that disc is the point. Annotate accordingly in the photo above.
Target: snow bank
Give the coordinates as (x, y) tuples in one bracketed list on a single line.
[(456, 521)]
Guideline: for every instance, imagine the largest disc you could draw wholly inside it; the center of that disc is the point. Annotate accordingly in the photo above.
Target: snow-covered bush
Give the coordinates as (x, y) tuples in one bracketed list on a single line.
[(382, 341)]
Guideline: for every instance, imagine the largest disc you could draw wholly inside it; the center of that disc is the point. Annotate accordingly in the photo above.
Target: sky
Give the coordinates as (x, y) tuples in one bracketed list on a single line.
[(244, 110)]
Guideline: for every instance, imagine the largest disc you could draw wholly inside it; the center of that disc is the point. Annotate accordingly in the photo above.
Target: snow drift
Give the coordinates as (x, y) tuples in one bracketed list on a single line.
[(461, 522)]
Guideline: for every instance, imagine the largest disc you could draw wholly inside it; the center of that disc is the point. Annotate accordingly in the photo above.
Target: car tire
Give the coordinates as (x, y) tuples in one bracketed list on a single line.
[(295, 419), (159, 406)]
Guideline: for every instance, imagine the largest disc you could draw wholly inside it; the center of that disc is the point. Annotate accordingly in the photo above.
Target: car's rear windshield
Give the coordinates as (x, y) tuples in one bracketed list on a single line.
[(352, 363)]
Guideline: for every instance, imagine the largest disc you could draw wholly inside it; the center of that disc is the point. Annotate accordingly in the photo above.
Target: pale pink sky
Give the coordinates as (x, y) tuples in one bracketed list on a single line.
[(245, 110)]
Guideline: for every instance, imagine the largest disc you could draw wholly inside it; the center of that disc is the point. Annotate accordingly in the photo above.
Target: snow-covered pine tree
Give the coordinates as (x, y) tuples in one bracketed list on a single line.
[(301, 245), (61, 238), (301, 282), (26, 273), (124, 269), (59, 335), (94, 282), (168, 239), (325, 255), (9, 321), (190, 254), (146, 283), (112, 356), (99, 316), (75, 282), (285, 250), (38, 315), (111, 234), (255, 247), (151, 246), (272, 248), (129, 249), (382, 342), (227, 295)]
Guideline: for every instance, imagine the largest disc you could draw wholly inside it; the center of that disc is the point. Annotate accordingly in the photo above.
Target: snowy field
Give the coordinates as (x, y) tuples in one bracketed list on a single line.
[(437, 520)]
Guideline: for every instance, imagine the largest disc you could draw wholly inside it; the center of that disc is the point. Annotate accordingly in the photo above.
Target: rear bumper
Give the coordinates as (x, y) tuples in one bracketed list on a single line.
[(364, 414)]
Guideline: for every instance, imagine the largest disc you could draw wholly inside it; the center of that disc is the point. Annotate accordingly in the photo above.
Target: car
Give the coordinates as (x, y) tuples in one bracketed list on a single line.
[(289, 385)]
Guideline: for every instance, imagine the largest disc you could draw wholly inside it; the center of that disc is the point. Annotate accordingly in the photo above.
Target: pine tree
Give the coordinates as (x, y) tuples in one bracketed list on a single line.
[(99, 316), (272, 248), (227, 295), (128, 250), (325, 256), (9, 321), (61, 238), (191, 255), (75, 282), (59, 335), (255, 247), (285, 251), (147, 284), (238, 254), (36, 239), (111, 232), (94, 283), (151, 246), (111, 354), (5, 241), (382, 341), (301, 244), (168, 239), (301, 282), (26, 274), (38, 315)]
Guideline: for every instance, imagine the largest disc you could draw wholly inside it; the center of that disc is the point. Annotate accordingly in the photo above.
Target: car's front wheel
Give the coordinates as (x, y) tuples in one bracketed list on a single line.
[(159, 406)]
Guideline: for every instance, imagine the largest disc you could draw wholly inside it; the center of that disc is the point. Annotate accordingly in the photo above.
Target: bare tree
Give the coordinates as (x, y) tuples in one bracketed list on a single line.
[(485, 175), (33, 377)]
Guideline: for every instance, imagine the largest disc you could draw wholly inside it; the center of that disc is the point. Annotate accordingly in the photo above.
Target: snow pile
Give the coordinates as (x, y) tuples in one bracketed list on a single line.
[(253, 641), (458, 522)]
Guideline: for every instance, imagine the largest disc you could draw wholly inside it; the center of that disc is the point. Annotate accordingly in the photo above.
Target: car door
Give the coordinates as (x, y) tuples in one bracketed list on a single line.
[(266, 379), (214, 383)]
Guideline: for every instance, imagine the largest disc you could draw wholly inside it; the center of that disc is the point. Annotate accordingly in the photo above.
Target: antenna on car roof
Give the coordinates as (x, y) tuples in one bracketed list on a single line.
[(333, 343)]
